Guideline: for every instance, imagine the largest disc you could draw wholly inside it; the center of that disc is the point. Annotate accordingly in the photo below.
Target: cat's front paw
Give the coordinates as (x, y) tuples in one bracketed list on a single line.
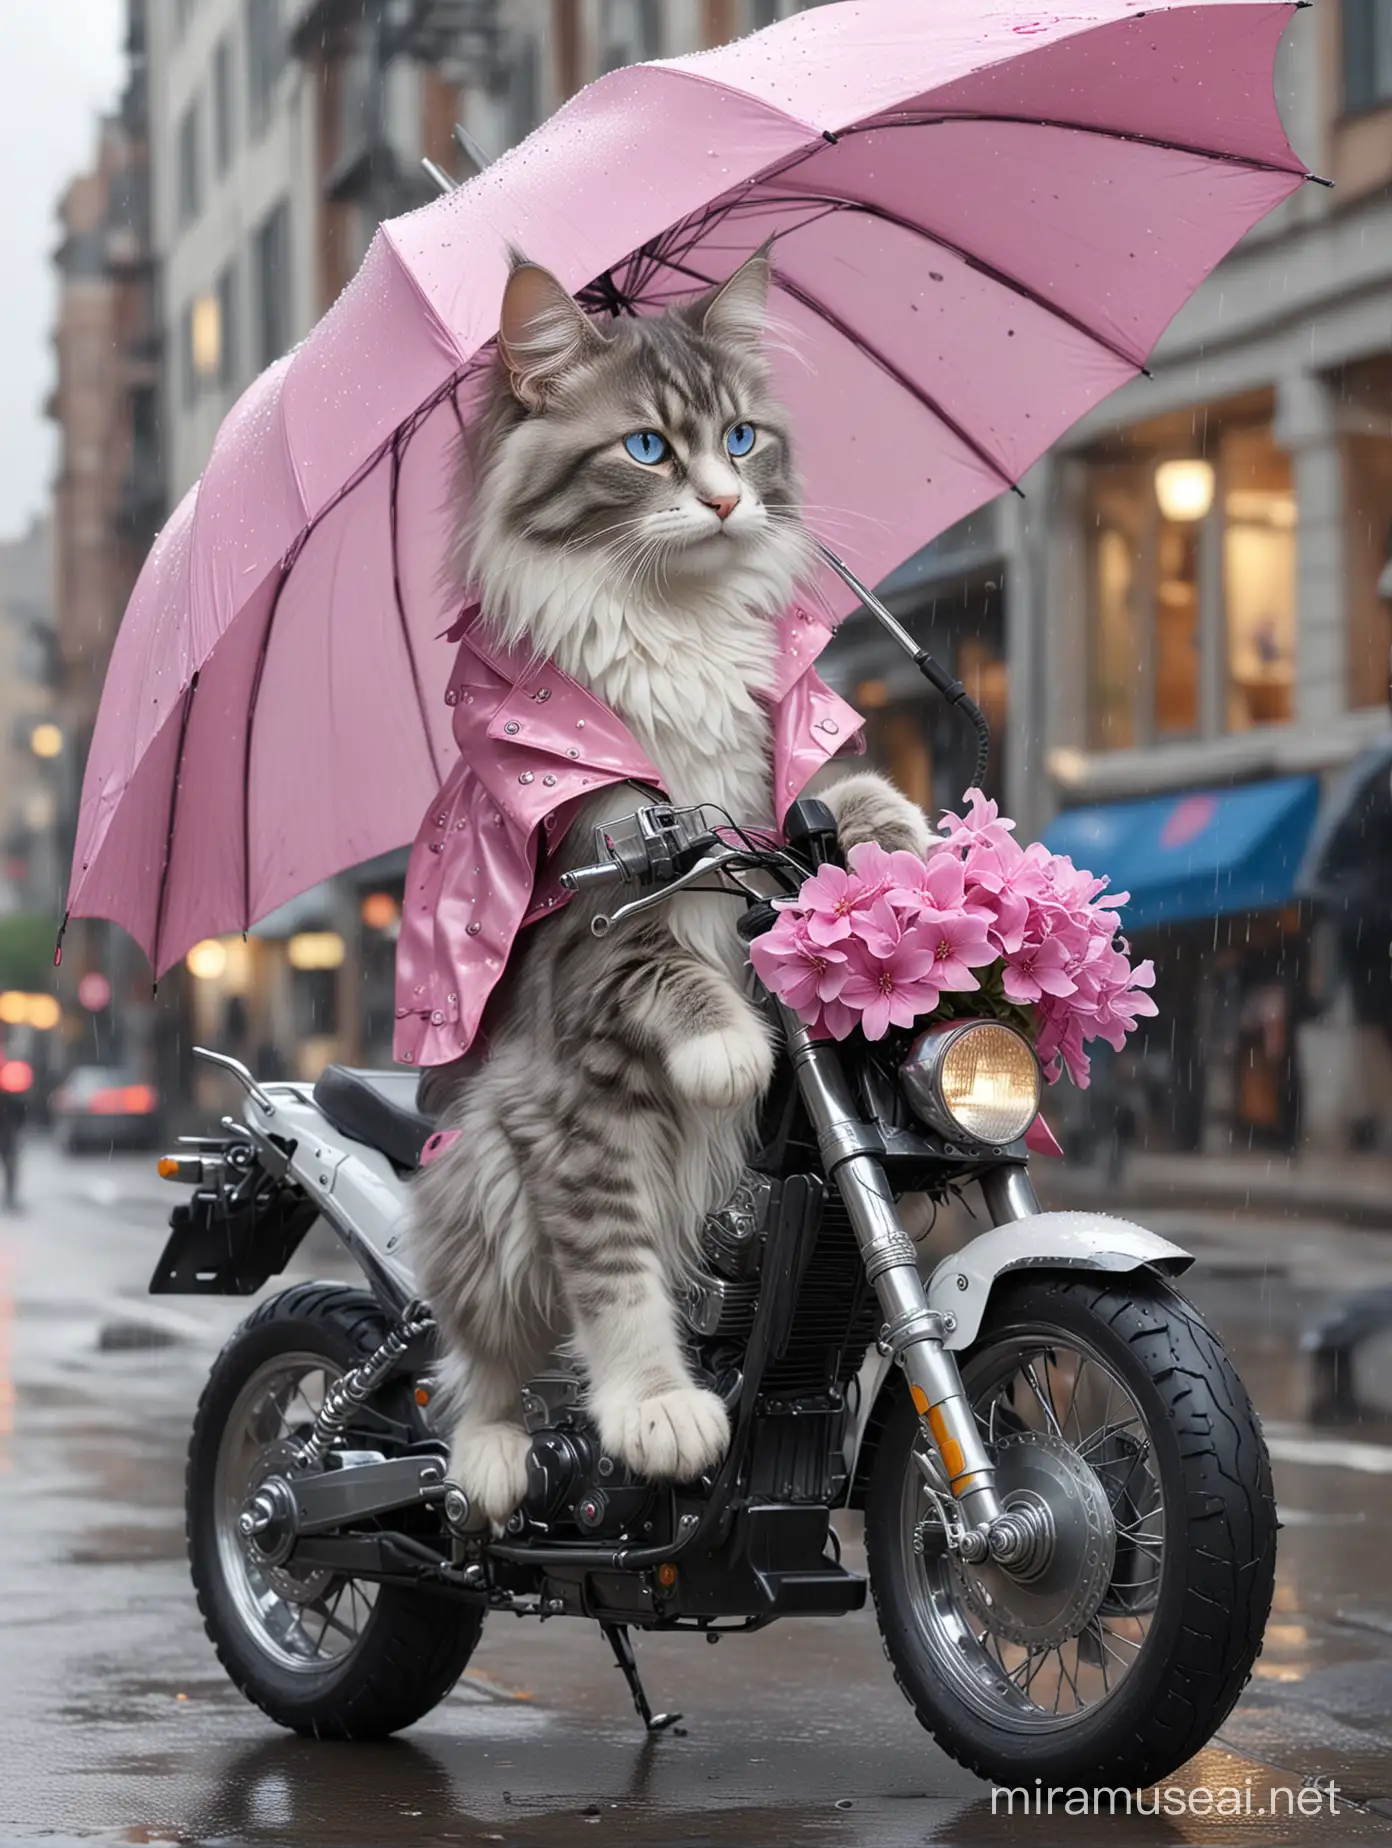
[(867, 808), (673, 1437), (489, 1462), (722, 1069)]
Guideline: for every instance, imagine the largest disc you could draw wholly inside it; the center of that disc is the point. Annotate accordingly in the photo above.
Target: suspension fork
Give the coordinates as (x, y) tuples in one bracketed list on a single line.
[(913, 1333)]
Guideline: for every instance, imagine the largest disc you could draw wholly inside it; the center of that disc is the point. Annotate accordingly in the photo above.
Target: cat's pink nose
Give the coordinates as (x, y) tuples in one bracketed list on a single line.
[(724, 504)]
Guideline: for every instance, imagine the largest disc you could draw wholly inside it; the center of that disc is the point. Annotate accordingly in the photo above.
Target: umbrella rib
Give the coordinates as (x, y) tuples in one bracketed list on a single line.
[(835, 202), (1077, 128), (189, 692), (253, 701), (900, 377), (872, 353), (396, 450)]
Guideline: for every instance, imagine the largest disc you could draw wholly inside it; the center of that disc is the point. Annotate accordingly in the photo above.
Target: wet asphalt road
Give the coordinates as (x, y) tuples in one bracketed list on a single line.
[(116, 1723)]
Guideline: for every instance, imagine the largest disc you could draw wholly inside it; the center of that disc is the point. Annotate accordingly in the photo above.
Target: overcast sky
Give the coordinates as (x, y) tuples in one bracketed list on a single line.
[(60, 63)]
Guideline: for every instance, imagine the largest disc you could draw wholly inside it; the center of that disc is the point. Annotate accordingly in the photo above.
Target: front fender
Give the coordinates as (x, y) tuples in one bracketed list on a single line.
[(960, 1288)]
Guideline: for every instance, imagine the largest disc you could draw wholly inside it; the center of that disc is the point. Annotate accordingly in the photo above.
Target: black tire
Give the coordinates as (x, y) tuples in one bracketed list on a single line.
[(413, 1646), (1215, 1581)]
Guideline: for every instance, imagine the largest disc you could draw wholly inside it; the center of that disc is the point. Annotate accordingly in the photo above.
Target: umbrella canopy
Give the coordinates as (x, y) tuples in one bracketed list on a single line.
[(982, 225)]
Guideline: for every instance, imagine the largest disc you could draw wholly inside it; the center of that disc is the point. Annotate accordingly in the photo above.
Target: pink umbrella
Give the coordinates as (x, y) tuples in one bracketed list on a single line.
[(984, 216)]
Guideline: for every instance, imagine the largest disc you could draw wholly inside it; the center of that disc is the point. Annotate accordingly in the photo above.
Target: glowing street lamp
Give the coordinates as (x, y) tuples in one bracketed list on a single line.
[(1184, 489), (316, 950), (206, 960), (46, 740)]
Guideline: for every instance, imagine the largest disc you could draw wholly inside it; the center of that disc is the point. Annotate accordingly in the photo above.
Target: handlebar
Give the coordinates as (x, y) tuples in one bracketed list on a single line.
[(663, 851), (580, 877)]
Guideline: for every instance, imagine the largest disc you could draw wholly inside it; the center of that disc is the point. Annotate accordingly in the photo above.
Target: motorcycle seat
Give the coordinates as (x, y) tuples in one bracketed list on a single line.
[(378, 1108)]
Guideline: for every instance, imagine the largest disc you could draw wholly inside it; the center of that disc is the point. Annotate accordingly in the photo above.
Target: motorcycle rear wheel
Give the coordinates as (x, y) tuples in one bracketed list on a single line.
[(1119, 1662), (328, 1656)]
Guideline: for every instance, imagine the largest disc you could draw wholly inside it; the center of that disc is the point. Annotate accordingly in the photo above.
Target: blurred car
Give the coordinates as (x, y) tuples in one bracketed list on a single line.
[(101, 1107)]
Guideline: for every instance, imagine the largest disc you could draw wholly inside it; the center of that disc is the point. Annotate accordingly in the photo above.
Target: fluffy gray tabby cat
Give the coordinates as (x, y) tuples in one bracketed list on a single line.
[(635, 520)]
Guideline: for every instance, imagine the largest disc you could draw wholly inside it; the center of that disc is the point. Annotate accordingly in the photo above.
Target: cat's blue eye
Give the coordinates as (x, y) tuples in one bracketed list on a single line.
[(647, 446), (739, 439)]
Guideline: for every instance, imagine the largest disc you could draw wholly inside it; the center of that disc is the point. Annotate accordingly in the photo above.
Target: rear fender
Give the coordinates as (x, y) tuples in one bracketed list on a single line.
[(960, 1288)]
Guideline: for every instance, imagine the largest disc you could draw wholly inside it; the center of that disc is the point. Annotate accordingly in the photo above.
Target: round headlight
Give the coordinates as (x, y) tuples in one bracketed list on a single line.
[(975, 1078)]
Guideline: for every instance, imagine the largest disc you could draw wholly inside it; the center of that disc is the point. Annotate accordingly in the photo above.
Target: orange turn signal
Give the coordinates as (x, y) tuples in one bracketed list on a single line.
[(667, 1575)]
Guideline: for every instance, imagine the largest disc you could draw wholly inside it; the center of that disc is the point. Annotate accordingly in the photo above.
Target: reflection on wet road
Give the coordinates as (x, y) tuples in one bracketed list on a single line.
[(119, 1725)]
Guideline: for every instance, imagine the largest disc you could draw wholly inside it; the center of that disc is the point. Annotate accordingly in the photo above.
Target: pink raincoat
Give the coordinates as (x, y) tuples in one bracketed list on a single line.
[(533, 745)]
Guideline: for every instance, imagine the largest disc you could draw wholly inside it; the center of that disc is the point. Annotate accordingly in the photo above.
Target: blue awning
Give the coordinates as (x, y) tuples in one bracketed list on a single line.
[(1198, 854)]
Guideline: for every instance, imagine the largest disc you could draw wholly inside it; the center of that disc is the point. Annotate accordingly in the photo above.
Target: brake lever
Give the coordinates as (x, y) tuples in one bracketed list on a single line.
[(603, 923)]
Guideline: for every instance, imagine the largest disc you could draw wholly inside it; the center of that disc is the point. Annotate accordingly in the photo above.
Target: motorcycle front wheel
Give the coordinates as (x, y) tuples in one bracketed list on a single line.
[(320, 1653), (1114, 1655)]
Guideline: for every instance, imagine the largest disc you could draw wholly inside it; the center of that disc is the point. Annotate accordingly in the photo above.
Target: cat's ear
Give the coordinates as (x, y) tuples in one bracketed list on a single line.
[(735, 311), (542, 332)]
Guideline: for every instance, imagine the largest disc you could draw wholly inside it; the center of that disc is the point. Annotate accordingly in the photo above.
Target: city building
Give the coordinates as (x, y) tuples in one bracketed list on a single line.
[(30, 737), (1195, 621), (108, 498)]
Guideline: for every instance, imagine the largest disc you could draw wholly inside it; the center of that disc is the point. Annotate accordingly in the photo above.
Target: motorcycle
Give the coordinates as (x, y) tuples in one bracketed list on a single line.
[(1068, 1510)]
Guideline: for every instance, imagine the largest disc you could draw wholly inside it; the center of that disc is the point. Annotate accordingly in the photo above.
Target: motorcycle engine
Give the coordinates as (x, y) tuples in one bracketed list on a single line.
[(571, 1483)]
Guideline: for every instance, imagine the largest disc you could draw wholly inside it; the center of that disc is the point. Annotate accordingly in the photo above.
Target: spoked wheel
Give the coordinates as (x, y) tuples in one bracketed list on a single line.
[(1114, 1650), (319, 1652)]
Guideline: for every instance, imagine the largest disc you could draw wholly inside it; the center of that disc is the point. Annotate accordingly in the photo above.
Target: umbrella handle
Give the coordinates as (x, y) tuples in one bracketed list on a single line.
[(933, 671)]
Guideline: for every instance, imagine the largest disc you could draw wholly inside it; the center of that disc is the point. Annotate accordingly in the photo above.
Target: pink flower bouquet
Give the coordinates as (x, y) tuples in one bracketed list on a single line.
[(892, 938)]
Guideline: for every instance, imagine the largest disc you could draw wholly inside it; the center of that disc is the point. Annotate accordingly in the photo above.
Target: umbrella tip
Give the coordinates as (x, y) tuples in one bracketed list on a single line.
[(58, 943), (1316, 179)]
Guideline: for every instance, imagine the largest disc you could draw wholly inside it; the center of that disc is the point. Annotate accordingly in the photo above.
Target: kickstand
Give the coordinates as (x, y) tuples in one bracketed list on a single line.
[(616, 1634)]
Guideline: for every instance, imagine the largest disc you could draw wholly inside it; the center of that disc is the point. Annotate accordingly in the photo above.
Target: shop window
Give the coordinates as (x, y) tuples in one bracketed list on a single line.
[(1367, 54), (227, 328), (273, 284), (190, 167), (920, 743), (1192, 589), (1177, 628), (1364, 390), (222, 105), (1368, 565), (1258, 578), (200, 345), (524, 91), (265, 59), (631, 31)]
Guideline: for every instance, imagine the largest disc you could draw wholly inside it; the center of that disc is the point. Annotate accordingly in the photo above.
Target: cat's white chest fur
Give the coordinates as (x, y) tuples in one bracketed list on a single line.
[(685, 674), (687, 679)]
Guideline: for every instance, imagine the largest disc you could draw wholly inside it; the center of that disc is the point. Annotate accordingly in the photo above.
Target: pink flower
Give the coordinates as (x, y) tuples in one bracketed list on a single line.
[(1038, 969), (882, 927), (1060, 1044), (831, 898), (959, 944), (836, 1019), (878, 944), (980, 823), (908, 881), (793, 967), (1010, 883), (892, 990)]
